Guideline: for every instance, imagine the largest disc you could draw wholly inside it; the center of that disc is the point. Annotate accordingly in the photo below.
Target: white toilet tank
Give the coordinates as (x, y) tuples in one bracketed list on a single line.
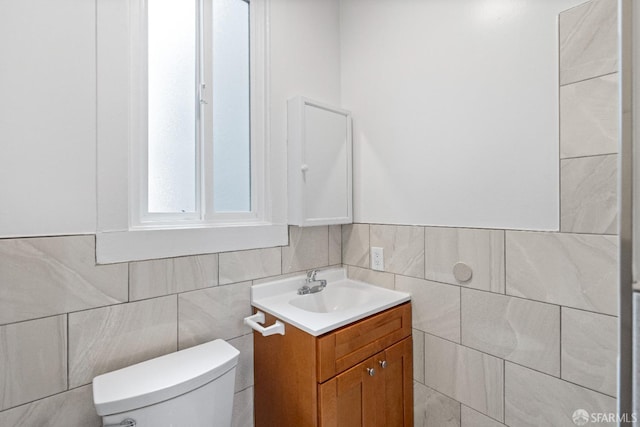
[(189, 388)]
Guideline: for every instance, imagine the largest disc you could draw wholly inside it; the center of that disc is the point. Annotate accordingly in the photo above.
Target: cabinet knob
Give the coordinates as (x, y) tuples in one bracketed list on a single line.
[(371, 371), (383, 363), (304, 167)]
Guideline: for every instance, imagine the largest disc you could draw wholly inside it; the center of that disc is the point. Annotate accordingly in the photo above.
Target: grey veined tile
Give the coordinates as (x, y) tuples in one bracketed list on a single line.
[(471, 418), (432, 409), (335, 244), (308, 248), (355, 245), (248, 265), (378, 278), (515, 329), (533, 399), (54, 275), (243, 408), (208, 314), (482, 250), (435, 306), (466, 375), (588, 194), (244, 369), (589, 117), (588, 41), (160, 277), (403, 248), (573, 270), (418, 355), (589, 349), (110, 338), (33, 360), (71, 408)]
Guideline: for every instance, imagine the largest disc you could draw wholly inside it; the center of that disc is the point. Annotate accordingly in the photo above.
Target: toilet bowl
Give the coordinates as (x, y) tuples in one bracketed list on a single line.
[(190, 388)]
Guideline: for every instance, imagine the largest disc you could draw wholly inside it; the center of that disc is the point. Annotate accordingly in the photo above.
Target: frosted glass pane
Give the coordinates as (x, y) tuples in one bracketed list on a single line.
[(231, 138), (172, 105)]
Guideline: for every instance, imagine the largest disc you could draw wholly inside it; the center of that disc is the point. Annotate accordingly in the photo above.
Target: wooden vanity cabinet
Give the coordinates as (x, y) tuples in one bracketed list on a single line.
[(372, 393), (358, 375)]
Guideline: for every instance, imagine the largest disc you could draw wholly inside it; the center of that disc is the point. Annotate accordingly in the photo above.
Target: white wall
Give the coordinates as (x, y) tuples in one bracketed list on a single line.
[(47, 117), (455, 107), (305, 60), (48, 102)]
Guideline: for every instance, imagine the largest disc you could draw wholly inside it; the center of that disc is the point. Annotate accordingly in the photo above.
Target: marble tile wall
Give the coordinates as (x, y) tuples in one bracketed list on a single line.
[(471, 377), (536, 399), (589, 117), (434, 409), (588, 194), (403, 248), (109, 338), (589, 349), (64, 320), (588, 41), (47, 276), (574, 270), (436, 306), (515, 329), (482, 250)]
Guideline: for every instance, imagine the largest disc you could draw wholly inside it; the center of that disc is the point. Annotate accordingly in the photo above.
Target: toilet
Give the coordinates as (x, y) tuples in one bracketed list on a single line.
[(188, 388)]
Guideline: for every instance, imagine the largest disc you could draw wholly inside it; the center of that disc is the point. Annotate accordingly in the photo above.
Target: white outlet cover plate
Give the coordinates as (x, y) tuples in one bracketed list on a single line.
[(377, 258)]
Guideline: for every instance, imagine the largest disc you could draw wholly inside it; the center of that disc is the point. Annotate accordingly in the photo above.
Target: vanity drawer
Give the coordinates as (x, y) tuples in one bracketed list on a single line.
[(339, 350)]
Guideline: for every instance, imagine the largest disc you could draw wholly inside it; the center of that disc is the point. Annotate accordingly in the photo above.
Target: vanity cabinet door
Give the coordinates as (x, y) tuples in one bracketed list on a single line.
[(375, 393), (353, 398), (396, 368)]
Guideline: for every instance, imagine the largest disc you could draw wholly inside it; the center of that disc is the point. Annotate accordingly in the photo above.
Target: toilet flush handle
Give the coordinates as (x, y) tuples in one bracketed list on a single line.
[(128, 422)]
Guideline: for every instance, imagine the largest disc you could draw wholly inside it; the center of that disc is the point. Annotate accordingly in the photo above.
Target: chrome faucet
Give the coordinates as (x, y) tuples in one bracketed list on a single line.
[(311, 278)]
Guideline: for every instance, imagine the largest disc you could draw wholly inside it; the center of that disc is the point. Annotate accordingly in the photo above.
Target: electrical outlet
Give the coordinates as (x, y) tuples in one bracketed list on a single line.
[(377, 258)]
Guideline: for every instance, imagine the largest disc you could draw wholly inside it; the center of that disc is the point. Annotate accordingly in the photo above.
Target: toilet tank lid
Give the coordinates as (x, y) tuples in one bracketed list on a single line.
[(162, 378)]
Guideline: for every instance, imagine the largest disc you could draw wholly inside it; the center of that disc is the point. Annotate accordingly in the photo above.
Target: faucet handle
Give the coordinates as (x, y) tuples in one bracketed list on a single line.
[(311, 275)]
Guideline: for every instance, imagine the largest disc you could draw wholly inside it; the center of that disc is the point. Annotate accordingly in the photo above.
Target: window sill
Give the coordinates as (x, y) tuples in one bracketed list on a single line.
[(143, 244)]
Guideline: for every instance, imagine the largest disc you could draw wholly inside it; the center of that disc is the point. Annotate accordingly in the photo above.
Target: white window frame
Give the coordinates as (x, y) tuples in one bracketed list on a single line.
[(121, 141)]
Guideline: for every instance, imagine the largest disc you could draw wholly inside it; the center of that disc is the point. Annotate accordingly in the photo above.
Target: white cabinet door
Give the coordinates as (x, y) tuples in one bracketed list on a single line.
[(319, 152)]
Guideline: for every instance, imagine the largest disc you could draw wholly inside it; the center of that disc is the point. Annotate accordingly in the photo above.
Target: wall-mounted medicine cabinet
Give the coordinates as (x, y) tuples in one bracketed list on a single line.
[(320, 163)]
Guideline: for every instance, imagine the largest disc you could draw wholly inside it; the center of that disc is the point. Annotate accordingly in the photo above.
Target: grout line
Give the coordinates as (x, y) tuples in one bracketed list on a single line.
[(460, 318), (68, 390), (68, 352), (508, 361), (559, 164), (504, 390), (588, 156), (424, 250), (560, 346), (504, 262), (587, 78), (177, 323), (509, 295), (328, 245)]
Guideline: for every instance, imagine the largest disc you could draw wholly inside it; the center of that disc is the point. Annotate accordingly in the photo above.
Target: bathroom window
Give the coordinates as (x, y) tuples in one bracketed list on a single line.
[(184, 165), (197, 162)]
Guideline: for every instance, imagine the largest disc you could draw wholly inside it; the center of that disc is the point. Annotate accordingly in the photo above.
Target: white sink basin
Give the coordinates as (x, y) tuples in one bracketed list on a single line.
[(340, 296), (342, 301)]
